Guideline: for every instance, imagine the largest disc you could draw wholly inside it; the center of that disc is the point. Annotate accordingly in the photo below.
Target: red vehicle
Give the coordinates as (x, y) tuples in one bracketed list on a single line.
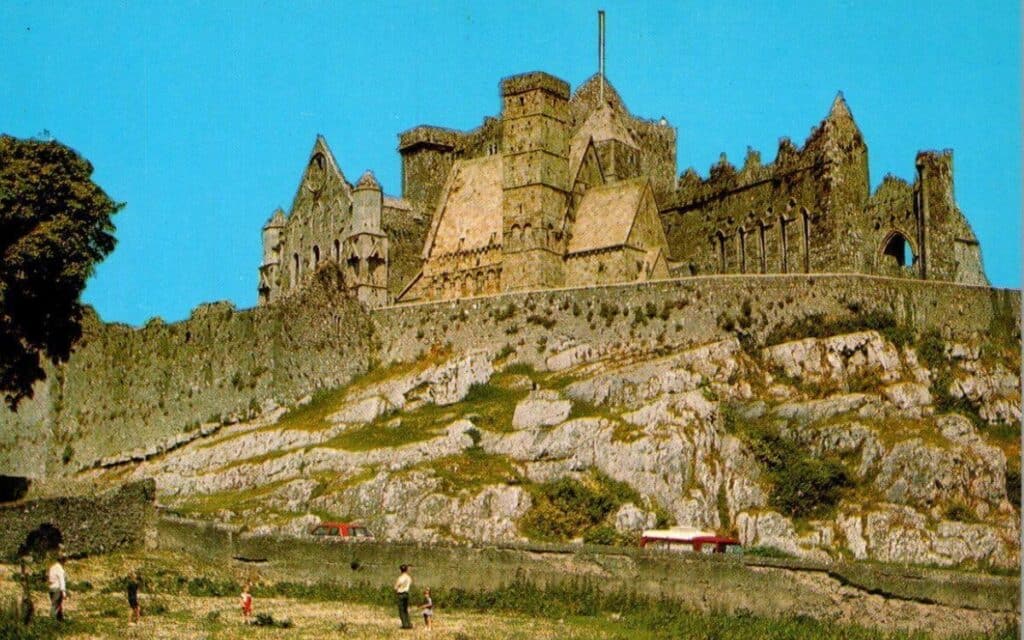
[(347, 531), (689, 539)]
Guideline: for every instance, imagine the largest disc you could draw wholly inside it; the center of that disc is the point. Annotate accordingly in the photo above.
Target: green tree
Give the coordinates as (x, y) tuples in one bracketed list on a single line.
[(55, 226)]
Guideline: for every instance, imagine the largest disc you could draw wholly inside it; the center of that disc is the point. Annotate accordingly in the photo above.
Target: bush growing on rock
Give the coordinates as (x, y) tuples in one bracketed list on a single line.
[(569, 508)]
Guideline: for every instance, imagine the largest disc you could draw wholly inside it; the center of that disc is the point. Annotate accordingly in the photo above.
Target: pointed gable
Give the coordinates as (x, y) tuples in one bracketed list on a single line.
[(468, 215), (322, 182), (605, 216)]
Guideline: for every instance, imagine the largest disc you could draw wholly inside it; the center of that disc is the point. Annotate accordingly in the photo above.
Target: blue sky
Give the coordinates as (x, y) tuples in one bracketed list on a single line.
[(201, 115)]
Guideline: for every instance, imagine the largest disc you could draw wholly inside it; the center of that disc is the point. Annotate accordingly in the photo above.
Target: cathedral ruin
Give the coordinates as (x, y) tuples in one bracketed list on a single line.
[(568, 189)]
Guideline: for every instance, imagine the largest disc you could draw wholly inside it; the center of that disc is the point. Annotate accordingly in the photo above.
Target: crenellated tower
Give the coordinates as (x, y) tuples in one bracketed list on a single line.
[(535, 179)]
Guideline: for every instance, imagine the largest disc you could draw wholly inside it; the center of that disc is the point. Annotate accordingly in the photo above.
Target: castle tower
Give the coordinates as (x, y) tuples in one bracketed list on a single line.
[(949, 248), (366, 257), (270, 269), (427, 156), (535, 179)]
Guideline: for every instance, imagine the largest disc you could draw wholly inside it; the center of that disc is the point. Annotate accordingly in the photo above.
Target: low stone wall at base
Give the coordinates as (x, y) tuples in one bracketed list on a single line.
[(120, 518), (943, 602)]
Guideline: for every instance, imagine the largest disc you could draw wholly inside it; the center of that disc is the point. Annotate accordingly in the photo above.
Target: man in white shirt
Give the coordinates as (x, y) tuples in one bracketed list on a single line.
[(58, 587), (402, 585)]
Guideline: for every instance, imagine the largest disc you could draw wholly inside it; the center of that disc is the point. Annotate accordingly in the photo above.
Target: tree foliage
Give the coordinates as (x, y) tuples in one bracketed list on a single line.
[(55, 226)]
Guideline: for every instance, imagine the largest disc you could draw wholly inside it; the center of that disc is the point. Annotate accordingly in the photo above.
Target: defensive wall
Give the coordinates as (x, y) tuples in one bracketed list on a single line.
[(85, 524), (541, 325), (142, 390), (128, 389), (871, 595)]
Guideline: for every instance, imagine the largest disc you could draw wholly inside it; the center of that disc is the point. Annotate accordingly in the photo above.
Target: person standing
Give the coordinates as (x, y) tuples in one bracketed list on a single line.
[(402, 586), (134, 582), (57, 579), (428, 608), (246, 601)]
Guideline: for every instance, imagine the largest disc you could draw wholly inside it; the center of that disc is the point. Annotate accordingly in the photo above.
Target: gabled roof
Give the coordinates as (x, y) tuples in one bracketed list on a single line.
[(469, 212), (332, 172), (604, 123), (606, 215)]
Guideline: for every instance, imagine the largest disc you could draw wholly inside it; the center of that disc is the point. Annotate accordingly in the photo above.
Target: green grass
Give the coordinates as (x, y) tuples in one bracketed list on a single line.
[(237, 501), (471, 470)]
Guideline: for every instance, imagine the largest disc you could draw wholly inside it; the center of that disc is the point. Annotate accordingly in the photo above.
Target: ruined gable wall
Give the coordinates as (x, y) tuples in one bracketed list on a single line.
[(318, 219), (125, 389), (891, 209), (717, 225)]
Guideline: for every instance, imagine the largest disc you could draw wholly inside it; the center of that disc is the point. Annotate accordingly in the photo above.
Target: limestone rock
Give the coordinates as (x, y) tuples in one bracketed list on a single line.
[(541, 408), (632, 519)]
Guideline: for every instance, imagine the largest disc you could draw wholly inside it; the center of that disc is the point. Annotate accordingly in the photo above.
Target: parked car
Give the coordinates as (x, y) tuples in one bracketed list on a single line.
[(689, 540), (341, 531)]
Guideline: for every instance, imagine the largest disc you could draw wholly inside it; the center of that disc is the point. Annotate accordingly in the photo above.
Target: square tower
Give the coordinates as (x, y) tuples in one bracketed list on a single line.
[(535, 179)]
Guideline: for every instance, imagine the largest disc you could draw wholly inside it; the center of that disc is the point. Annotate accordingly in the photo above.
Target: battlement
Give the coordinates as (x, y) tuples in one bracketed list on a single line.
[(426, 135), (532, 81)]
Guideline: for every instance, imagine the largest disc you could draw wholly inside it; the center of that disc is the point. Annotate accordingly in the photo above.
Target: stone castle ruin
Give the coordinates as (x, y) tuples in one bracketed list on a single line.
[(569, 189)]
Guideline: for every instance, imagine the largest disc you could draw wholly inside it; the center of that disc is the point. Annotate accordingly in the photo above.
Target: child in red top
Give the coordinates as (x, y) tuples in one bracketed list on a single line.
[(246, 602)]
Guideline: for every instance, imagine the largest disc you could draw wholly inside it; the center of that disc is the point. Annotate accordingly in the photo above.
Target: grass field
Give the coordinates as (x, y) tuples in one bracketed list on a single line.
[(184, 599)]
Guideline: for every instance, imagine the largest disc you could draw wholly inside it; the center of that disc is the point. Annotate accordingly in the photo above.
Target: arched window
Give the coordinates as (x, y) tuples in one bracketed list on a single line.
[(805, 217), (897, 251), (295, 269), (337, 250), (783, 243), (764, 248), (316, 257), (742, 236), (721, 252)]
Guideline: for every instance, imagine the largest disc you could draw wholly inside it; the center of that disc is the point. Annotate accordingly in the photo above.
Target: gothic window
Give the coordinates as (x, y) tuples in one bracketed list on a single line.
[(721, 252), (764, 249), (783, 244), (295, 269), (316, 257), (337, 250), (805, 216), (897, 252), (742, 238)]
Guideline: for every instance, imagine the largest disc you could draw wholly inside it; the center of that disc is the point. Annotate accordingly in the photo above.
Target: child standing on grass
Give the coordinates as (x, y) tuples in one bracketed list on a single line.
[(428, 608), (246, 602), (134, 581)]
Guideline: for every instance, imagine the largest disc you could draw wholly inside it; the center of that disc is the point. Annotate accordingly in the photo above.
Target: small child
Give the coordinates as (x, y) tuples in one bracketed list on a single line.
[(246, 601), (428, 608), (134, 582)]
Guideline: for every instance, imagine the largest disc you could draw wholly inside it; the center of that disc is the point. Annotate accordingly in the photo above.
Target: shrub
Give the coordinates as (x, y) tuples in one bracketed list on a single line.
[(809, 487), (568, 508), (1013, 486), (959, 512)]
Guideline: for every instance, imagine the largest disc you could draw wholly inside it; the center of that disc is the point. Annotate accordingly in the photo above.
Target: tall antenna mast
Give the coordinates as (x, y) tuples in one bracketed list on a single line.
[(600, 49)]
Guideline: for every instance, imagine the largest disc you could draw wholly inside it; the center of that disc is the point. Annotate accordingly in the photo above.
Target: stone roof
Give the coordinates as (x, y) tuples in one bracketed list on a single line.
[(369, 180), (605, 216), (470, 209), (605, 124)]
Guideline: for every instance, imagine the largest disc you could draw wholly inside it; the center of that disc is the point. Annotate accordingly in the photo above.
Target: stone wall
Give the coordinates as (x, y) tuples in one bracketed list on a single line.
[(871, 596), (541, 325), (128, 390), (125, 389), (88, 524)]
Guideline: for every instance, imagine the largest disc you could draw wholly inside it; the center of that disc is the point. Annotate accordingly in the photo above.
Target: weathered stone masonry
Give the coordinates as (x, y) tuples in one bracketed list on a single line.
[(120, 518), (126, 389), (504, 207)]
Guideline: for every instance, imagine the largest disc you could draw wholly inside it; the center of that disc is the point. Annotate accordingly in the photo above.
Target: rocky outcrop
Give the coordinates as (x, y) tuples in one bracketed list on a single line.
[(927, 485)]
